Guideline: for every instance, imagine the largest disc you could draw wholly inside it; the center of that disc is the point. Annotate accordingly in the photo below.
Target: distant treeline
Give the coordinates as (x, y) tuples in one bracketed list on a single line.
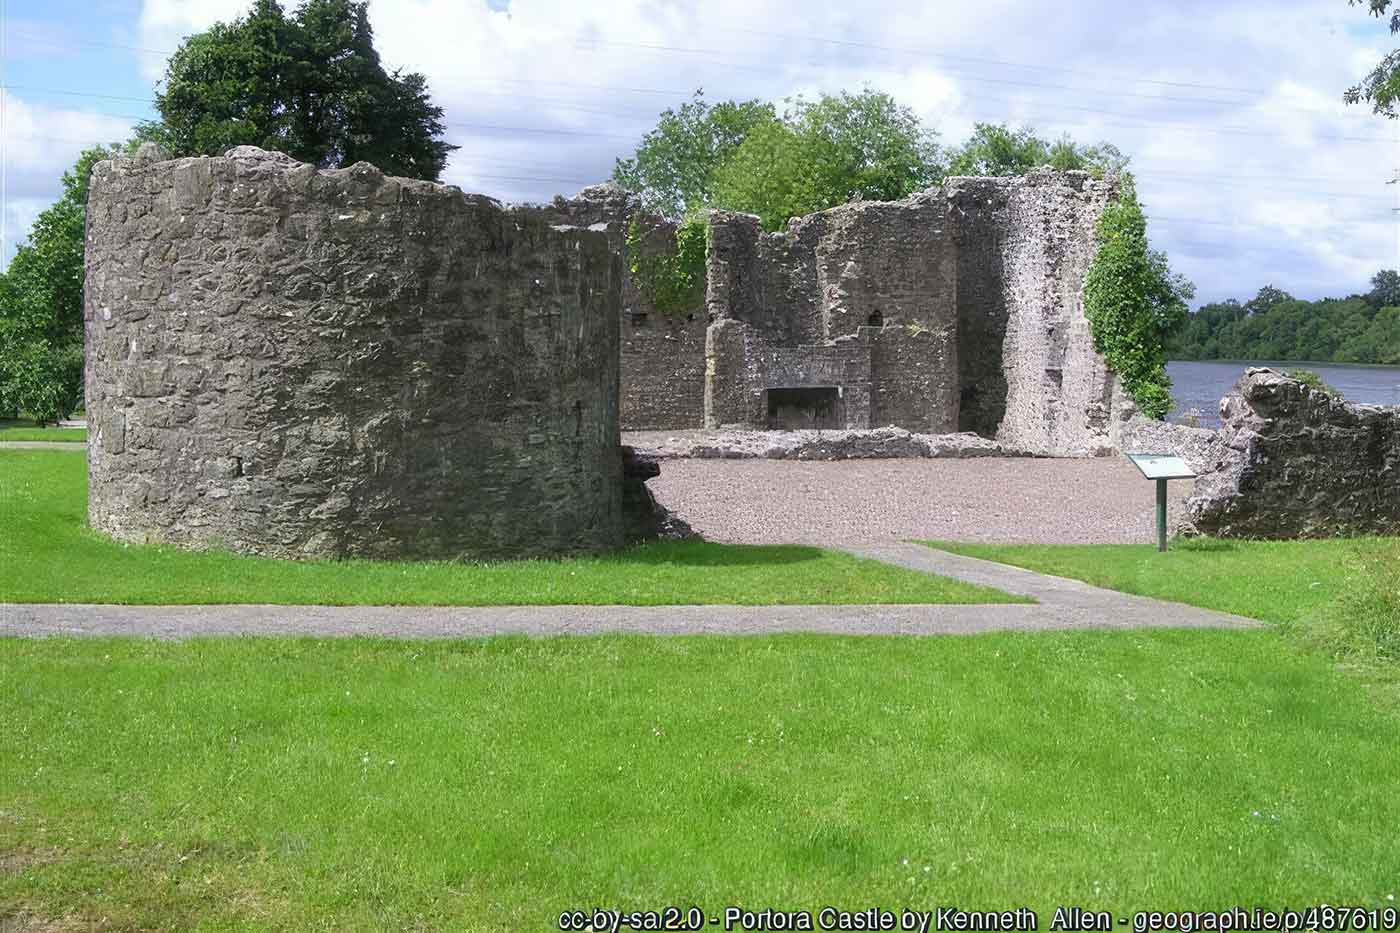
[(1274, 325)]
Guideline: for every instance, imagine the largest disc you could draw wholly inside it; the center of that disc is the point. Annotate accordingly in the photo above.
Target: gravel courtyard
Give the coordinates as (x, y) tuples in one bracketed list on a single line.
[(1101, 500)]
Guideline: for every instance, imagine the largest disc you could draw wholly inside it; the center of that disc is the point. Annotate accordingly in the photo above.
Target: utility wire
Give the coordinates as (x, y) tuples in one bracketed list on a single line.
[(584, 43), (931, 53), (1138, 123)]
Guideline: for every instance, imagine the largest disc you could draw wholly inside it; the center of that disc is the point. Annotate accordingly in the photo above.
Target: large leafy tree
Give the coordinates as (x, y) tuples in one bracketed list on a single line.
[(1380, 88), (996, 149), (41, 306), (674, 167), (310, 84), (835, 149), (1385, 289)]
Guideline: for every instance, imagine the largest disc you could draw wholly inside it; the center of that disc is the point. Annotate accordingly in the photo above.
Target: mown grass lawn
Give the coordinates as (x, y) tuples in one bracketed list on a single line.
[(487, 785), (48, 555), (1277, 581), (1342, 595), (11, 430)]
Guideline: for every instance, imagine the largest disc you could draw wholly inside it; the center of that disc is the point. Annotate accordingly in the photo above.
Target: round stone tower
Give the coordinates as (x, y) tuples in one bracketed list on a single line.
[(296, 362)]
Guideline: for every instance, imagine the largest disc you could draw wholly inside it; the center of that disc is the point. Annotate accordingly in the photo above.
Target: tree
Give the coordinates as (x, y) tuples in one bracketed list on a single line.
[(864, 147), (41, 306), (746, 157), (822, 153), (996, 149), (310, 85), (1380, 88), (1385, 289), (1264, 301), (1134, 303), (673, 168)]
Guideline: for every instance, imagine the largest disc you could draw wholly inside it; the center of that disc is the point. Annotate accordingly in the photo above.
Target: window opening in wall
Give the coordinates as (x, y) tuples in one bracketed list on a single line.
[(876, 319)]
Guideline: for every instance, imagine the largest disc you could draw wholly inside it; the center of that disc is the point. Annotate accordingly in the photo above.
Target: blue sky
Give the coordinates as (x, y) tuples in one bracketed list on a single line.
[(1252, 170)]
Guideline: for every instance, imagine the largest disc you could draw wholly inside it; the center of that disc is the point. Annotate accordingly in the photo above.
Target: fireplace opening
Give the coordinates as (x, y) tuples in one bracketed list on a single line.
[(804, 407)]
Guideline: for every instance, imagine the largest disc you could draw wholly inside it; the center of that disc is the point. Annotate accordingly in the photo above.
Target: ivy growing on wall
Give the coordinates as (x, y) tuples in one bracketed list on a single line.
[(673, 280), (1134, 302)]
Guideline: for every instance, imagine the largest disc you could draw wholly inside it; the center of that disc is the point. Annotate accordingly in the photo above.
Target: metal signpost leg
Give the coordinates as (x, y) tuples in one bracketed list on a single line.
[(1161, 515), (1162, 467)]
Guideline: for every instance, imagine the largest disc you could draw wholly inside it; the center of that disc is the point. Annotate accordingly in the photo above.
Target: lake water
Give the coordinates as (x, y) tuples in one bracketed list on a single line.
[(1199, 385)]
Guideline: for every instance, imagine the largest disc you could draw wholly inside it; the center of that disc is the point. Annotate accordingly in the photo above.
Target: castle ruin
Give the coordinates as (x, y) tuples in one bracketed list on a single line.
[(956, 309), (296, 362)]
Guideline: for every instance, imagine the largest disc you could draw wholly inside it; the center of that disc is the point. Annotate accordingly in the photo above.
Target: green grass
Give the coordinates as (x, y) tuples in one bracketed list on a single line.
[(1342, 596), (11, 430), (300, 784), (1277, 581), (48, 555)]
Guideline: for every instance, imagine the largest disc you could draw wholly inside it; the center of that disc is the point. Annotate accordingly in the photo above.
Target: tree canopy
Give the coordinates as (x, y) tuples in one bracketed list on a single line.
[(1273, 325), (673, 169), (815, 154), (310, 84), (995, 149), (41, 306), (1380, 88), (821, 153)]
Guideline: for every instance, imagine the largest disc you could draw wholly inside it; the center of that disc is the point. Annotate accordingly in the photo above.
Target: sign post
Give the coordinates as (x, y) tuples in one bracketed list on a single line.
[(1162, 467)]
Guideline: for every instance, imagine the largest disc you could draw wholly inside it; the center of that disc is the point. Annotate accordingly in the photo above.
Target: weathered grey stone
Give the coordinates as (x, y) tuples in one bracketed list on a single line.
[(1028, 369), (296, 362), (645, 517), (847, 320), (958, 307), (662, 353), (1300, 464), (876, 444), (1203, 449)]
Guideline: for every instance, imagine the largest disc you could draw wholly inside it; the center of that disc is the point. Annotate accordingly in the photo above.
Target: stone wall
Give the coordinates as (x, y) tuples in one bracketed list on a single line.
[(296, 362), (968, 300), (859, 298), (1300, 464), (663, 354), (1029, 374)]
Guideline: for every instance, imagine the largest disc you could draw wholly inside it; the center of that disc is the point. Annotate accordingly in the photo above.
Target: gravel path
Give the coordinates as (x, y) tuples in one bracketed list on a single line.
[(1064, 604), (1103, 500)]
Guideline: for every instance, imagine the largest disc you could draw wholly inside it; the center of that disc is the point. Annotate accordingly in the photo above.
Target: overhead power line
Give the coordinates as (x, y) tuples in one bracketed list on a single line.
[(1138, 123), (1001, 63), (971, 76), (584, 42)]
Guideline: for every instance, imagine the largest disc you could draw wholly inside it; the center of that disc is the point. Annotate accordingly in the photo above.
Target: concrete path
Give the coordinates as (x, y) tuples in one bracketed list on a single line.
[(1064, 604), (44, 445)]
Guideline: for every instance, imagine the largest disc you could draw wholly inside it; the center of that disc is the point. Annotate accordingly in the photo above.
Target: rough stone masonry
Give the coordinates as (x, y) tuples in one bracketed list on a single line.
[(296, 362), (956, 309), (1294, 462)]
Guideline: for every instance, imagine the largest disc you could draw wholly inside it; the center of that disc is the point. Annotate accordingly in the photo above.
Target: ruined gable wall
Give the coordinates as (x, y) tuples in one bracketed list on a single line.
[(662, 355), (296, 362), (1025, 246), (806, 298)]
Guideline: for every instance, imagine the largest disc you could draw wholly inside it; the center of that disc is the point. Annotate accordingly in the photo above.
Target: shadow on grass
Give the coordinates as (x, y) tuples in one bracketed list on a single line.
[(696, 552)]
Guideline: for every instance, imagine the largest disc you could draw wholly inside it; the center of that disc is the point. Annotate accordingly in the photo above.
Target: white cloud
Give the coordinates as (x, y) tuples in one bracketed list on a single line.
[(1231, 111), (40, 144)]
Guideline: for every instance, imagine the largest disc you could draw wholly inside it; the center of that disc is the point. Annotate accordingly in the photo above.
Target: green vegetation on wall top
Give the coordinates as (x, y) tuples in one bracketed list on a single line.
[(1134, 302)]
